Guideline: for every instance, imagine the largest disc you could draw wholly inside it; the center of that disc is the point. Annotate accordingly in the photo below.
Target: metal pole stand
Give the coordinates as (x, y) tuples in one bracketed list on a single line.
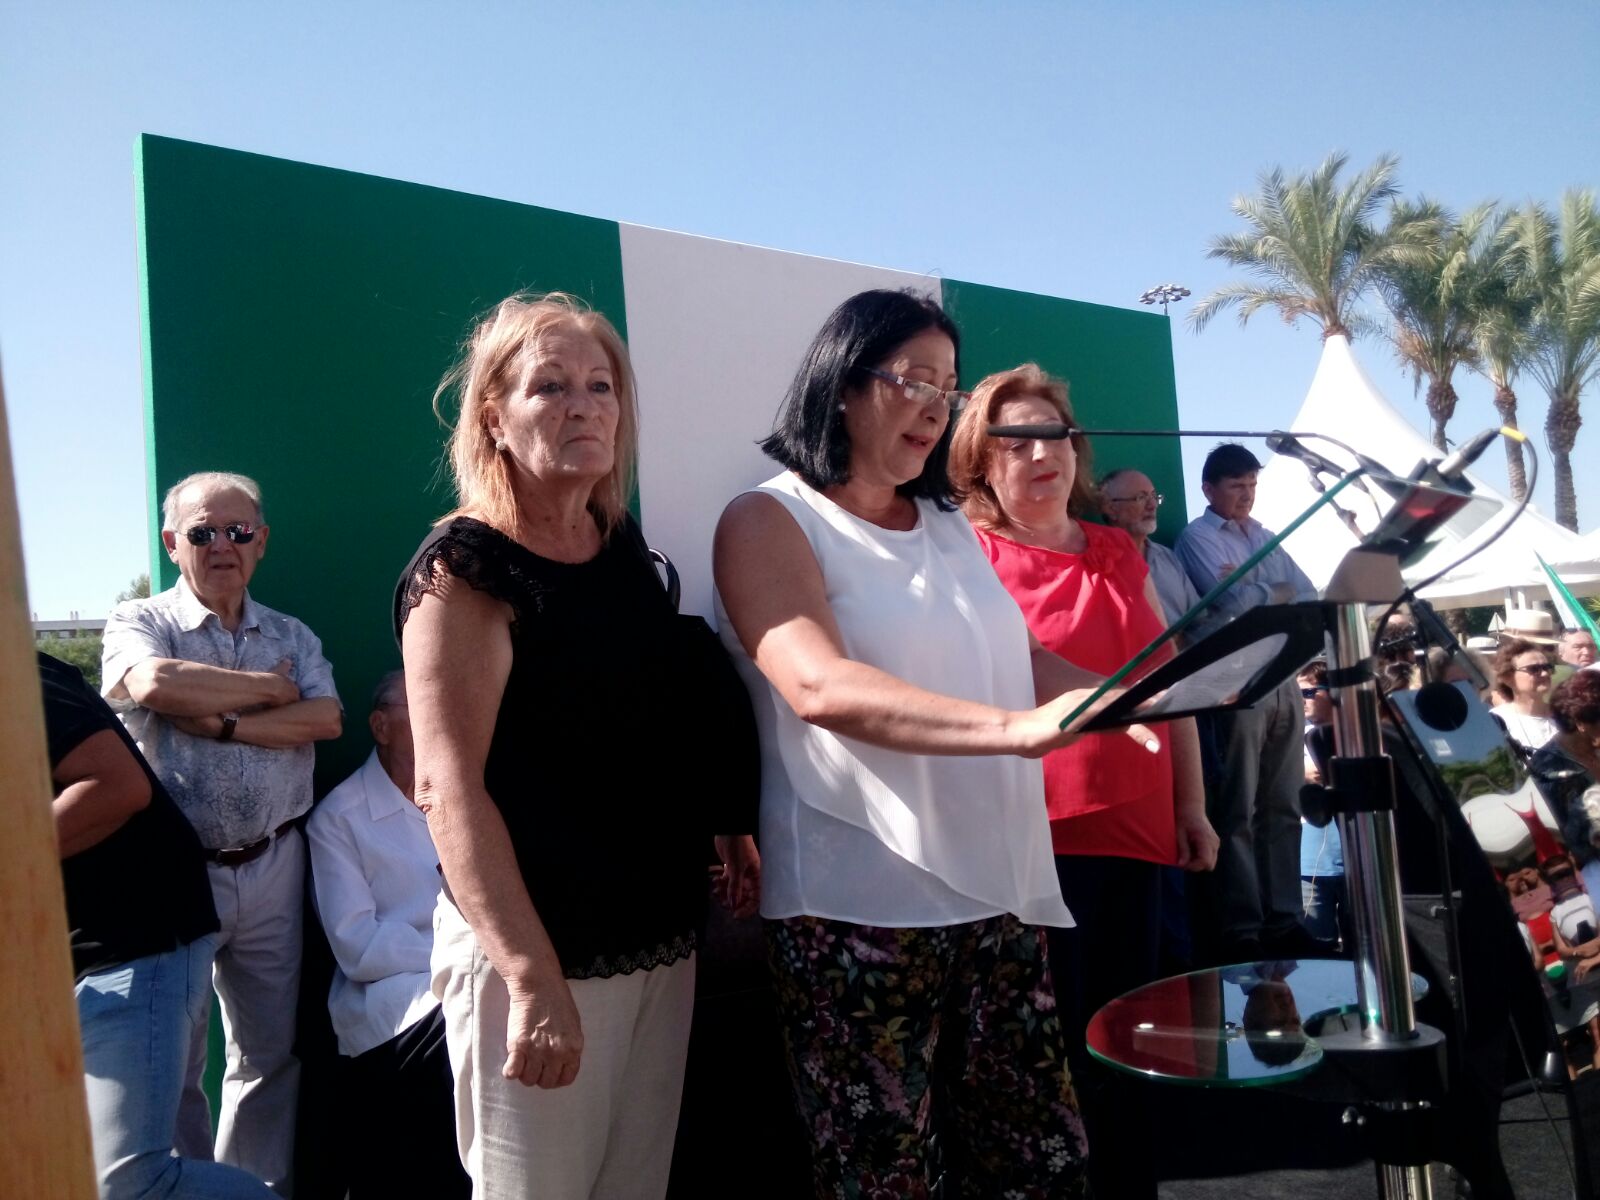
[(1363, 796)]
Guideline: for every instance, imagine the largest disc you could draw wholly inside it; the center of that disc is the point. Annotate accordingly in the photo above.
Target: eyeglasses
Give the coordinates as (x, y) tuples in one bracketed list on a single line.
[(922, 393), (1139, 498), (1537, 669), (238, 533), (1311, 693)]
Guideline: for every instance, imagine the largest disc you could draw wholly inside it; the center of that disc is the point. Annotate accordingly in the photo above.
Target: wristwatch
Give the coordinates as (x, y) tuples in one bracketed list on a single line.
[(230, 722)]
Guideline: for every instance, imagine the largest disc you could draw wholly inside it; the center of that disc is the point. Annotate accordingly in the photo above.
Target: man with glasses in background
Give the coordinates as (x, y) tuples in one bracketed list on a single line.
[(1130, 502), (225, 698)]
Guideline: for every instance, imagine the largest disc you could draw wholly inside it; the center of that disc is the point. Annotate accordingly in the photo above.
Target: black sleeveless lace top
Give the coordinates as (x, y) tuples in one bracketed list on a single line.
[(608, 768)]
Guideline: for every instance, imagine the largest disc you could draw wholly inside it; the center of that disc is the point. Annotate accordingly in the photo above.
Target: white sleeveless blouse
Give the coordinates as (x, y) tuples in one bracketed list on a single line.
[(858, 833)]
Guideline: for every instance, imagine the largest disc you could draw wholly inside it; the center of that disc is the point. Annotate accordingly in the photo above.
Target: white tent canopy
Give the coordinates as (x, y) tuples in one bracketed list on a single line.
[(1344, 404)]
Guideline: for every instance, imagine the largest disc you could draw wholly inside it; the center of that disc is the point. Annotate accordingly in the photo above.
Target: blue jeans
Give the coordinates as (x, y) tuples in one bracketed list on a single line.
[(1325, 908), (136, 1021)]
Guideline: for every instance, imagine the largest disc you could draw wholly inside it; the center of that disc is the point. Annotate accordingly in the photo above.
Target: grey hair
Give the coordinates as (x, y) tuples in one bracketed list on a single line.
[(211, 481), (391, 689), (1112, 476)]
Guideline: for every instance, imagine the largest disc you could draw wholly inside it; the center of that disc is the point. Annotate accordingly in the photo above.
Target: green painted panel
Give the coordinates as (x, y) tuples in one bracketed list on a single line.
[(296, 320), (1117, 363)]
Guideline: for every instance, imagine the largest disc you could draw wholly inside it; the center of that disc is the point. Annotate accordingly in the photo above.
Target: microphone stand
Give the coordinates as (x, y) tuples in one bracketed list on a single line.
[(1364, 797), (1392, 1071)]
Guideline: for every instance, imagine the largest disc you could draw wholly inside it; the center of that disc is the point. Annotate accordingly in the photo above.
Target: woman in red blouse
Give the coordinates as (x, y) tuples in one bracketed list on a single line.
[(1117, 812)]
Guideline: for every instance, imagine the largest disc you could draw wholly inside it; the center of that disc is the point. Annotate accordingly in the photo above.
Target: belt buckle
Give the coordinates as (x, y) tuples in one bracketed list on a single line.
[(233, 856)]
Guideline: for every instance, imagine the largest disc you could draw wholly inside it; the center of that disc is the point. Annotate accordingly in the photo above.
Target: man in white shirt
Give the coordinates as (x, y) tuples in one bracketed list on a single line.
[(226, 698), (375, 876)]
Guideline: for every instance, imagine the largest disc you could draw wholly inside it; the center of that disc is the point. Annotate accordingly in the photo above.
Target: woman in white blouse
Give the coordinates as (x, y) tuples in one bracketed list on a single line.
[(906, 851), (1526, 670)]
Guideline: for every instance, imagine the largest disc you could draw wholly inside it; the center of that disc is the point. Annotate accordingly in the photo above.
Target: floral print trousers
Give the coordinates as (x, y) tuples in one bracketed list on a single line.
[(928, 1062)]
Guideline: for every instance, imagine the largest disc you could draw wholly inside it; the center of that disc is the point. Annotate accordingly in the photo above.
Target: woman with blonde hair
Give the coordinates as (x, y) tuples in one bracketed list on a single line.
[(532, 623), (1117, 812)]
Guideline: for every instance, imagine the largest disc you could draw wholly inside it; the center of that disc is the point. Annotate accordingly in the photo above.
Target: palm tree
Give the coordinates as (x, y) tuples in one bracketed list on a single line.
[(1504, 315), (1565, 333), (1436, 300), (1314, 245)]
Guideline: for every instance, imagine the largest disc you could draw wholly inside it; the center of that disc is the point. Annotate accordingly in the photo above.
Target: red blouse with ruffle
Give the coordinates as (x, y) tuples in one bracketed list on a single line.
[(1107, 795)]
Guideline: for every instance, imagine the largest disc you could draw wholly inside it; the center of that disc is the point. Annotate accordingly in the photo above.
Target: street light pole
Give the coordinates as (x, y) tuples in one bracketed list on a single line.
[(1164, 294)]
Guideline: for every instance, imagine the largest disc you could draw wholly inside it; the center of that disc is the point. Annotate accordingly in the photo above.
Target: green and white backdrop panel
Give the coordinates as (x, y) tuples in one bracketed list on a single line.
[(297, 319)]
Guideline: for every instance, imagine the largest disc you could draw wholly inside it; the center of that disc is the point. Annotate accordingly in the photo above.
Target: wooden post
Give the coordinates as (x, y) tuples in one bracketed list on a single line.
[(42, 1109)]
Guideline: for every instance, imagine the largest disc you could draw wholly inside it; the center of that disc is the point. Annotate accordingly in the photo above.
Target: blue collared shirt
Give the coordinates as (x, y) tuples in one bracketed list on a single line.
[(233, 793), (1172, 581), (1209, 542)]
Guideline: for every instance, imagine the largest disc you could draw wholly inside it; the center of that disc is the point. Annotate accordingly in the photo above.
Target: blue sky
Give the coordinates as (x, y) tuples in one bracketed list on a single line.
[(1080, 150)]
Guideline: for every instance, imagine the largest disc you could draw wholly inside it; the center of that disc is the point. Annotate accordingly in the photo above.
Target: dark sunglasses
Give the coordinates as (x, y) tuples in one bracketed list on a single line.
[(1537, 669), (238, 533), (1311, 693)]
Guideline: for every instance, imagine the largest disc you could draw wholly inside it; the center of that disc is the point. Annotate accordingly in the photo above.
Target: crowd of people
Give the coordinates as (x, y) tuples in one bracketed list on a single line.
[(952, 877)]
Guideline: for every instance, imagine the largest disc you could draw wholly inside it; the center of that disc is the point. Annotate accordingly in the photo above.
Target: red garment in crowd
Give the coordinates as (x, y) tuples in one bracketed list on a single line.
[(1106, 794)]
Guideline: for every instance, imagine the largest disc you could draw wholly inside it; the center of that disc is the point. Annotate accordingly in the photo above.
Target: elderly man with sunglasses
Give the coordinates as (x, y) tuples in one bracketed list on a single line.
[(225, 698)]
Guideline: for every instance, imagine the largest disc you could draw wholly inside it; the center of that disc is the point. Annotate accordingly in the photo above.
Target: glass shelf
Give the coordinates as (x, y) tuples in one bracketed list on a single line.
[(1248, 1025)]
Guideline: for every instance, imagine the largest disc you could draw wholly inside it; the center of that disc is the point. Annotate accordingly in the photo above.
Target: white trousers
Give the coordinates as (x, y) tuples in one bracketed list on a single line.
[(257, 978), (606, 1136)]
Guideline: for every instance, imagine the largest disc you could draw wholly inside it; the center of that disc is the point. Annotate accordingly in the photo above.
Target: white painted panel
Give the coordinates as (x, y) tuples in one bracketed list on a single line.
[(716, 330)]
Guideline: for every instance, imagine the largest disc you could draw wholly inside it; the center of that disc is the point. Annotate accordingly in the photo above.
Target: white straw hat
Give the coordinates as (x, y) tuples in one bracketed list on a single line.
[(1530, 624)]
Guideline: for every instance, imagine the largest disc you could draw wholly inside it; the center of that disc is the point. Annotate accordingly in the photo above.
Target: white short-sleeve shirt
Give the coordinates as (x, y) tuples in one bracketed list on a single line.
[(232, 793)]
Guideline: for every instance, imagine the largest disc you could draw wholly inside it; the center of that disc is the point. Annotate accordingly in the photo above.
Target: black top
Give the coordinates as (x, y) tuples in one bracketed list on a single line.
[(624, 740), (144, 889), (1563, 780)]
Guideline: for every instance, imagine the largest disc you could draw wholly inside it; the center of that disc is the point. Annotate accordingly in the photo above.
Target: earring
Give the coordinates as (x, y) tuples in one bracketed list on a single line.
[(841, 406), (500, 445)]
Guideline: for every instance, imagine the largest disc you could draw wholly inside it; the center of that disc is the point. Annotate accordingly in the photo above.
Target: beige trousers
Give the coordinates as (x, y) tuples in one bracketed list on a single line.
[(606, 1136)]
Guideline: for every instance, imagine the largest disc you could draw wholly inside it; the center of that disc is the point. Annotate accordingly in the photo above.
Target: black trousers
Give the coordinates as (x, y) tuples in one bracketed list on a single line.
[(403, 1117), (1113, 949)]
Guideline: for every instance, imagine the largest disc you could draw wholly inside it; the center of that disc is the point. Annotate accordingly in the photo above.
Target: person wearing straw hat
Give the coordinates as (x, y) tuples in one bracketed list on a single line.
[(1531, 625)]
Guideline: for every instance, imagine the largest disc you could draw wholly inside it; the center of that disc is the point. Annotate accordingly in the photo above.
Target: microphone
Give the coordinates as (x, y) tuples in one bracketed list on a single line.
[(1049, 431), (1452, 468), (1280, 442)]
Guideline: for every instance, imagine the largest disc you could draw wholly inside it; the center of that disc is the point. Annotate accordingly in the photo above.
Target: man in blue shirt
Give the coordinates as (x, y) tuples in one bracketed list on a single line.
[(1255, 805)]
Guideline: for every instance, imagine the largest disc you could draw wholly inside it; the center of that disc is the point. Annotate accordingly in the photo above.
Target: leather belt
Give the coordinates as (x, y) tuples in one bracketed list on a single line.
[(237, 856)]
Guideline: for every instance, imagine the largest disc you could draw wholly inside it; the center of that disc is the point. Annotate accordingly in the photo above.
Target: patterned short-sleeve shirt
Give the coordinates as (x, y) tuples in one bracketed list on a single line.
[(233, 793)]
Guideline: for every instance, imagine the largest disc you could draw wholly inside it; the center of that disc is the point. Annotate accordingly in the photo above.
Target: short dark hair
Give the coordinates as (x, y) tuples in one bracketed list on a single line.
[(390, 689), (809, 437), (1317, 672), (1577, 699), (1228, 460), (1505, 658)]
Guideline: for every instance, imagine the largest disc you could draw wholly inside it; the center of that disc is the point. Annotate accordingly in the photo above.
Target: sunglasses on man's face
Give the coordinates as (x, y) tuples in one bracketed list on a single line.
[(1311, 693), (238, 533)]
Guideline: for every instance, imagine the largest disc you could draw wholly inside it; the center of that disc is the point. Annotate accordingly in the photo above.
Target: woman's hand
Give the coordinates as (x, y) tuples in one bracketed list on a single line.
[(544, 1036), (737, 886), (1197, 841), (1038, 731)]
